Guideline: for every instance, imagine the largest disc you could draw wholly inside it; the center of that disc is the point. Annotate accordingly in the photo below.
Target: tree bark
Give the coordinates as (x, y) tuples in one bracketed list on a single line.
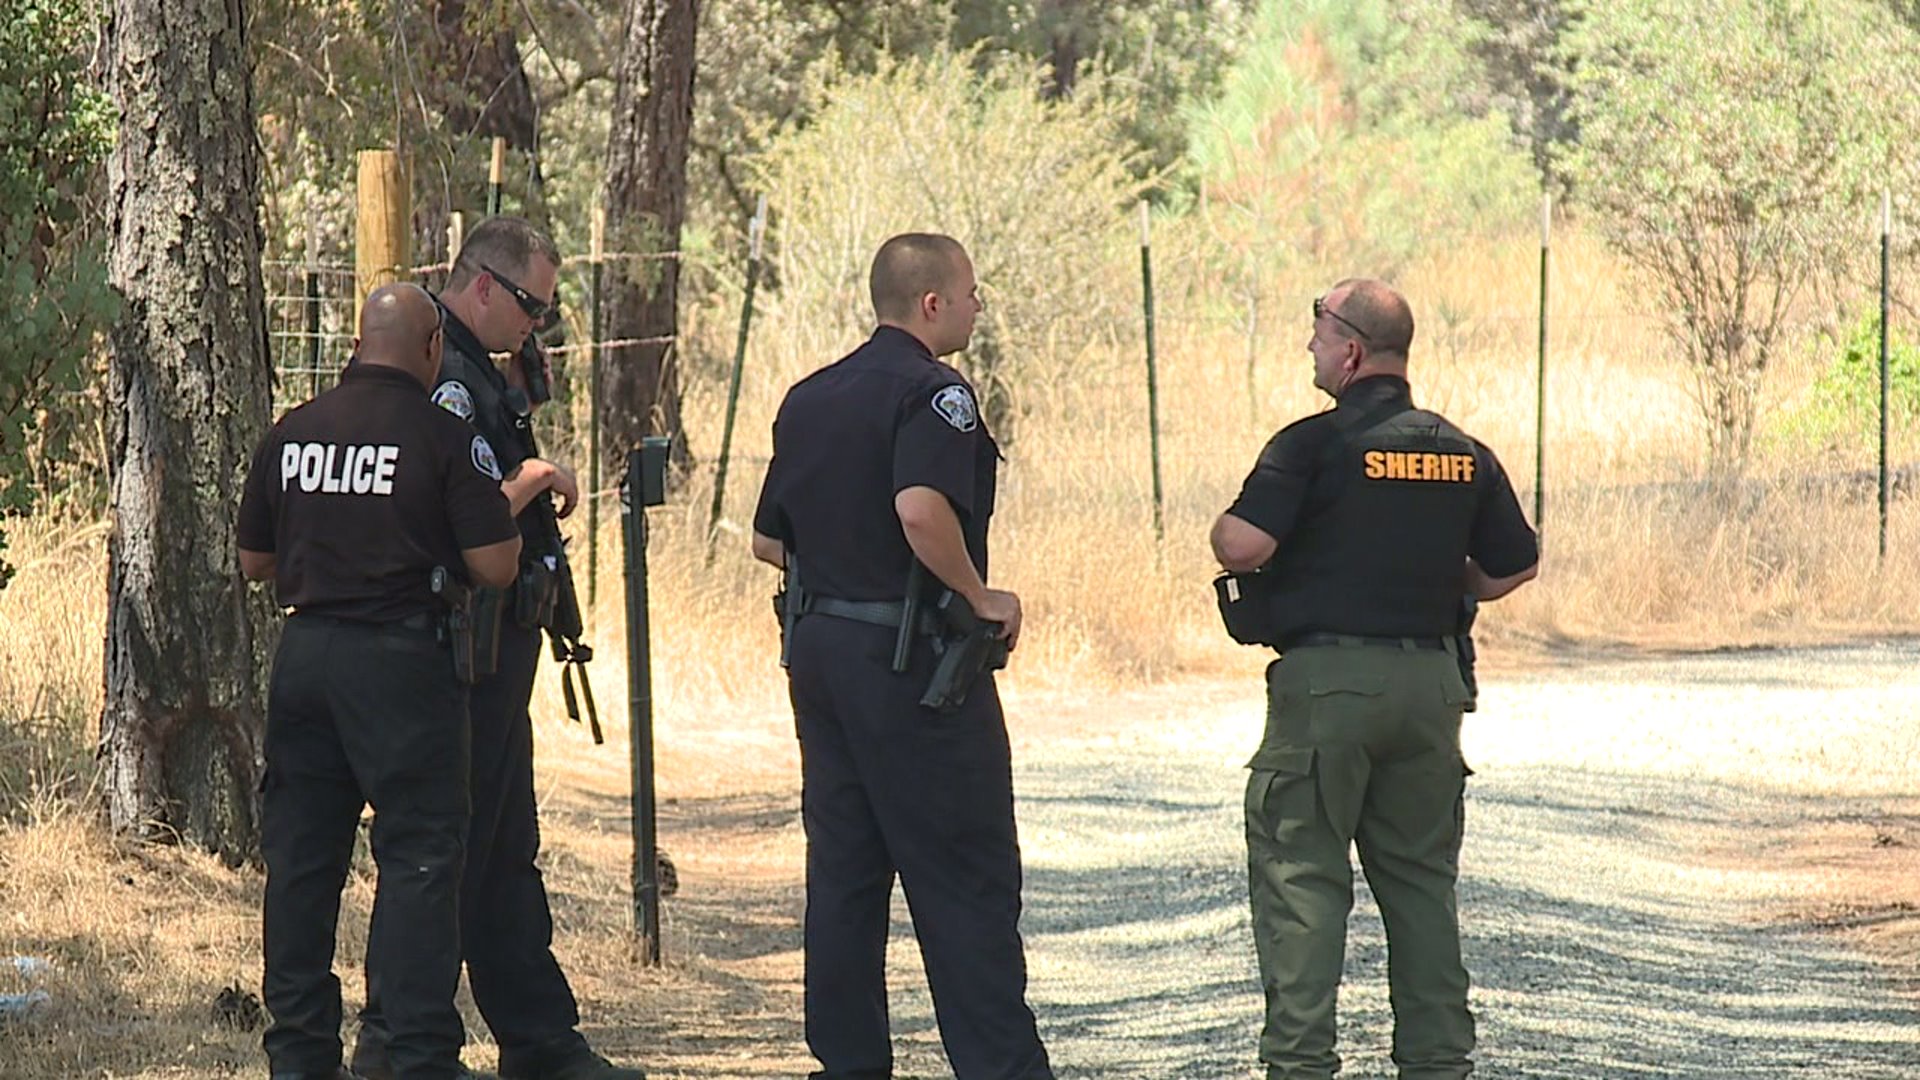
[(187, 403), (639, 391), (476, 81), (1067, 41)]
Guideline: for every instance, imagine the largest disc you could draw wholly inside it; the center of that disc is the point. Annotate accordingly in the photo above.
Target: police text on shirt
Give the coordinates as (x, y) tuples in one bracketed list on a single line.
[(326, 467)]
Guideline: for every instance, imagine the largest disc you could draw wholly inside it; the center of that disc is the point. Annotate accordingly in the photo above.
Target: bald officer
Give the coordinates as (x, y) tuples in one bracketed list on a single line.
[(1371, 522), (353, 499), (878, 460)]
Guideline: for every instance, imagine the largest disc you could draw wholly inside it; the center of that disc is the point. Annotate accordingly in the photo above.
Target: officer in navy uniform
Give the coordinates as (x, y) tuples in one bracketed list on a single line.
[(352, 502), (879, 459), (500, 287), (1371, 522)]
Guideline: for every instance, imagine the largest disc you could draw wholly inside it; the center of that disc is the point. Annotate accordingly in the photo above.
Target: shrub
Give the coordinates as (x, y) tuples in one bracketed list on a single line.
[(1035, 189)]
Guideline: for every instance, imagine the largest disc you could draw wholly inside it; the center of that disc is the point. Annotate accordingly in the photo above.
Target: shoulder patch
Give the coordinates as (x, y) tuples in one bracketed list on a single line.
[(955, 406), (454, 397), (483, 460)]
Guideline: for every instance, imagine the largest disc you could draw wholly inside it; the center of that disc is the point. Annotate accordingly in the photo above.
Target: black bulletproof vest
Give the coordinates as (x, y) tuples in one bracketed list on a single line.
[(1382, 554), (464, 360)]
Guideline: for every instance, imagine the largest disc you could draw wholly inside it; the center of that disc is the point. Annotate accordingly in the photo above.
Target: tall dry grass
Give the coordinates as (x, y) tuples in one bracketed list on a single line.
[(1636, 549)]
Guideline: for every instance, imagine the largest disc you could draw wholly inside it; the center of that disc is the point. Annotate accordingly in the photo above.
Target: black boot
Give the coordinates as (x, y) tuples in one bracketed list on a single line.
[(579, 1062)]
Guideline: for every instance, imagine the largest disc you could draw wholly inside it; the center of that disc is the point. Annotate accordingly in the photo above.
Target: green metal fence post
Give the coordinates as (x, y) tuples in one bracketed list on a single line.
[(755, 229), (1153, 378)]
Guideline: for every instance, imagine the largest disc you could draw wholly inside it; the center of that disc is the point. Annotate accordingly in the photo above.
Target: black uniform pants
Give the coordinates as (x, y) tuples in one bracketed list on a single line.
[(364, 714), (892, 788), (506, 924)]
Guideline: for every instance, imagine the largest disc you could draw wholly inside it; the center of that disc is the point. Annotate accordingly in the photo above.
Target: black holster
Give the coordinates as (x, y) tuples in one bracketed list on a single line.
[(458, 627), (968, 647), (488, 607), (1469, 610), (536, 595), (789, 604)]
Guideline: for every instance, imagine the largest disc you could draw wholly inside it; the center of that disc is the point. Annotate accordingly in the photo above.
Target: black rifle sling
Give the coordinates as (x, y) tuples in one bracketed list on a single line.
[(571, 655)]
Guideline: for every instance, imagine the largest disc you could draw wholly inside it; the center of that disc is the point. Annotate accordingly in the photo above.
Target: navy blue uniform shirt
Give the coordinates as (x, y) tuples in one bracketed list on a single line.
[(850, 437)]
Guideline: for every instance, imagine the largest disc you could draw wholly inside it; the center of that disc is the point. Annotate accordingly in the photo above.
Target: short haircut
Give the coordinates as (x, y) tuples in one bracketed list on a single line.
[(1381, 312), (508, 244), (908, 267)]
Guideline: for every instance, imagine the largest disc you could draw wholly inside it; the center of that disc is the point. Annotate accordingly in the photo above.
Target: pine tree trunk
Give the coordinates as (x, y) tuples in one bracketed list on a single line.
[(639, 392), (188, 402)]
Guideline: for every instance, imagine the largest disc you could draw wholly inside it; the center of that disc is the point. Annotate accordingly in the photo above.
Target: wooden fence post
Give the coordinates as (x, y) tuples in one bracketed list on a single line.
[(383, 237)]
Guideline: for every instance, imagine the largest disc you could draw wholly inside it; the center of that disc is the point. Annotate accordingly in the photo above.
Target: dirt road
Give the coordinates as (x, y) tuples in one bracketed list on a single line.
[(1638, 894)]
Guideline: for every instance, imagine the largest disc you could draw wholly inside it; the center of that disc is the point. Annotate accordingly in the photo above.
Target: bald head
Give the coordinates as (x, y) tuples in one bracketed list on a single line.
[(1379, 311), (400, 327), (907, 268)]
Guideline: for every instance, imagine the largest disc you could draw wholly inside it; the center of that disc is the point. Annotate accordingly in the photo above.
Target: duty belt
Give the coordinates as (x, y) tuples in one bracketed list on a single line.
[(887, 613), (419, 622), (1357, 640)]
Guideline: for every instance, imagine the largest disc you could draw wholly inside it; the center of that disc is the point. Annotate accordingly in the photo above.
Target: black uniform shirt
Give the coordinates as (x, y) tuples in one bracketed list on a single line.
[(362, 491), (1376, 507), (472, 388), (851, 436)]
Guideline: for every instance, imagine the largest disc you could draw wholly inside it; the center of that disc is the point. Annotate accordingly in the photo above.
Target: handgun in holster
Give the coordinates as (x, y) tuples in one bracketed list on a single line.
[(536, 595), (1469, 610), (789, 604), (969, 647), (489, 606), (459, 621)]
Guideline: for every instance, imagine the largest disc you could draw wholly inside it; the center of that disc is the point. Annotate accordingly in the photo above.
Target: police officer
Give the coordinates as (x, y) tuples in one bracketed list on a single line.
[(1371, 521), (880, 459), (352, 501), (500, 287)]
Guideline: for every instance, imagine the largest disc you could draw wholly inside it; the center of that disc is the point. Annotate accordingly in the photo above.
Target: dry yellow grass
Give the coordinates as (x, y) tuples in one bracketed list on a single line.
[(142, 938)]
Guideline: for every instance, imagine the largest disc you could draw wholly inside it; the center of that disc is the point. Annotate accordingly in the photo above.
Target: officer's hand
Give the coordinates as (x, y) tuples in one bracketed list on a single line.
[(565, 488), (517, 375), (1002, 607)]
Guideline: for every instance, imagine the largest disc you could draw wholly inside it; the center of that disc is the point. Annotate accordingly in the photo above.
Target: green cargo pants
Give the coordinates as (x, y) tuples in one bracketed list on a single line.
[(1362, 748)]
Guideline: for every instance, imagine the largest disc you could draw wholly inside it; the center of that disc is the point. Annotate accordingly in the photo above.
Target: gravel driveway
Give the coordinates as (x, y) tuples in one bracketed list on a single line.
[(1622, 884)]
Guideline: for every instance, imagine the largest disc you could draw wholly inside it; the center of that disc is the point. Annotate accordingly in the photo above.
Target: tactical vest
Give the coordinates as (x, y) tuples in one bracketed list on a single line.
[(465, 361), (1381, 545)]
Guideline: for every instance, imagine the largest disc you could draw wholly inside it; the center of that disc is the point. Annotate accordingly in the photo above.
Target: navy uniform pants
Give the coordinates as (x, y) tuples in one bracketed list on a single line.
[(361, 714), (505, 921), (891, 788)]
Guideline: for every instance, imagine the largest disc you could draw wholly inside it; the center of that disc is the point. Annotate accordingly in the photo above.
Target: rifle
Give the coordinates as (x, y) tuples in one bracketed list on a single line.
[(969, 647), (546, 596)]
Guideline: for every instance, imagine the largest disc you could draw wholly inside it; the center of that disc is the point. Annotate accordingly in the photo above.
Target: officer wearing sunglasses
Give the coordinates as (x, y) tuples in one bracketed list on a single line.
[(1356, 534), (501, 287)]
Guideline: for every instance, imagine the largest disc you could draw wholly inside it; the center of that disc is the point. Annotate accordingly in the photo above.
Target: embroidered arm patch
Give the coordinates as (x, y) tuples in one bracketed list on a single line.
[(482, 452), (955, 406), (455, 398)]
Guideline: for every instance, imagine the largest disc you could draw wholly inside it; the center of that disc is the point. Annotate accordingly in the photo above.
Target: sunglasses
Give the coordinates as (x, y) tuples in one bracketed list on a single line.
[(534, 307), (1320, 308)]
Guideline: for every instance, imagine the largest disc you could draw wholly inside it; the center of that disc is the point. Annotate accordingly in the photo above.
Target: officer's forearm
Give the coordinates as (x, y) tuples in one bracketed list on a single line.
[(933, 532), (1240, 545), (1485, 587), (769, 551), (257, 565), (525, 483)]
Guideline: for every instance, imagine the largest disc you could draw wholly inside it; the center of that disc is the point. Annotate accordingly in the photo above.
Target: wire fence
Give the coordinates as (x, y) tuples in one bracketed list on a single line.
[(311, 316)]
